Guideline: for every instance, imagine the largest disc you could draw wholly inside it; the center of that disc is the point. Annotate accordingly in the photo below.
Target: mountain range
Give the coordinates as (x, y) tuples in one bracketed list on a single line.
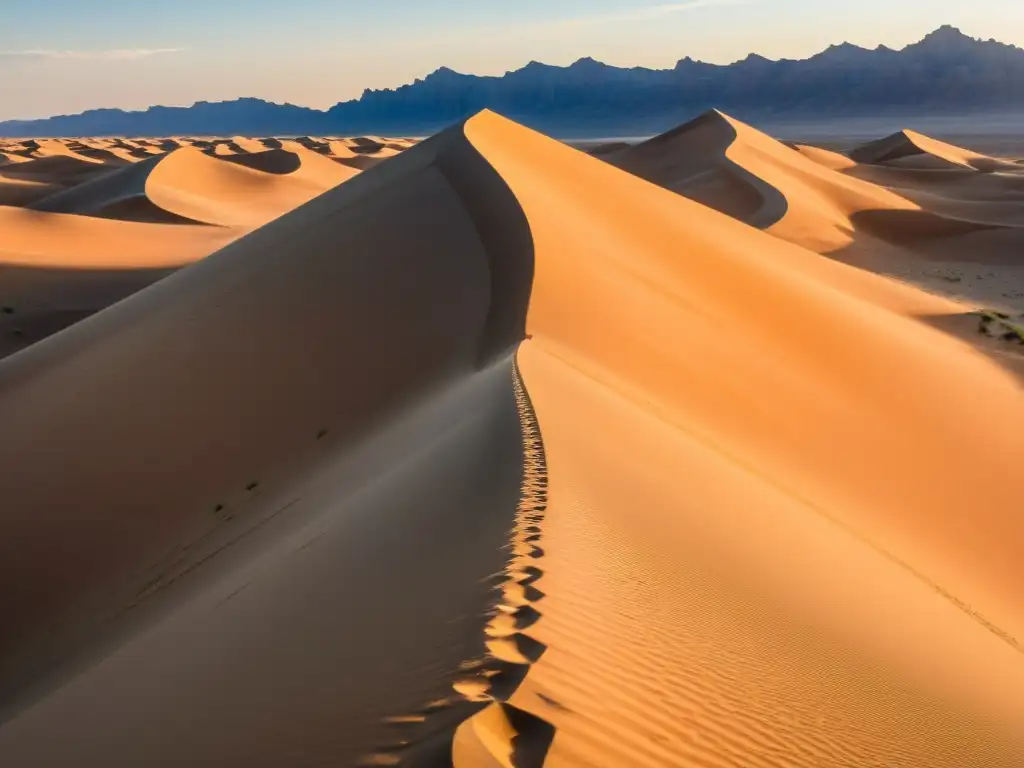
[(945, 73)]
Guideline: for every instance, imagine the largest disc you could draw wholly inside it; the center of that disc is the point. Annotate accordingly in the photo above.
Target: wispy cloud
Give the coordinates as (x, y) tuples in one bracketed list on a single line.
[(116, 54)]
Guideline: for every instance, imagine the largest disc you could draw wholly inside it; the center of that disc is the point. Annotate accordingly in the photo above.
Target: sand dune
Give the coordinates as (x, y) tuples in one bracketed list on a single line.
[(65, 169), (310, 500), (246, 144), (834, 161), (18, 192), (186, 185), (909, 149), (724, 163), (268, 465), (929, 227), (56, 269), (700, 354), (10, 158), (103, 205)]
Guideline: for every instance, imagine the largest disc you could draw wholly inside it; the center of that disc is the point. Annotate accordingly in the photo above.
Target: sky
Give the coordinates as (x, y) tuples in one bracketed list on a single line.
[(64, 56)]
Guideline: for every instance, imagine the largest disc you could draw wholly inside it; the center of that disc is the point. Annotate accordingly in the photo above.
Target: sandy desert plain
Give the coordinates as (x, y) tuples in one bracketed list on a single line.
[(488, 451)]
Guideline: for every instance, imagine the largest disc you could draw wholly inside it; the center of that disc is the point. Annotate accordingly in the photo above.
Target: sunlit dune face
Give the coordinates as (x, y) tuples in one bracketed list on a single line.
[(481, 451)]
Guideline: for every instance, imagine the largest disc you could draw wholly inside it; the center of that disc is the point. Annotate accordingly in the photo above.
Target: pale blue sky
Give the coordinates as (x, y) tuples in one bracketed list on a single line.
[(68, 55)]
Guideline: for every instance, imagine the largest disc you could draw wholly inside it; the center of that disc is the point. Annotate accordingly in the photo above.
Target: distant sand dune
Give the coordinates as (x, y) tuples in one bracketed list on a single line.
[(187, 185), (834, 161), (696, 160), (925, 226), (798, 195), (99, 242), (63, 169), (56, 269), (909, 149)]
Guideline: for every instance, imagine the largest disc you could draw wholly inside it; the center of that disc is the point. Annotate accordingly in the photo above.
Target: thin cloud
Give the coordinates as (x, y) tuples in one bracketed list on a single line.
[(116, 54)]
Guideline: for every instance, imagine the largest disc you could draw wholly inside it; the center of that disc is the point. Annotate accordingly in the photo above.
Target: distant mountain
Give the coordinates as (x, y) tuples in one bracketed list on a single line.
[(945, 73)]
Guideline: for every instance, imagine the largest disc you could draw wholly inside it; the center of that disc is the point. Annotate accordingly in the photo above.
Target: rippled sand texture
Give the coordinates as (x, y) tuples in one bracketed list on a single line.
[(498, 454)]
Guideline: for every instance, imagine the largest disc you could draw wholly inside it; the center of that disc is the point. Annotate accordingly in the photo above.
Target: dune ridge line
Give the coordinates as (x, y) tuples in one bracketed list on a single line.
[(489, 730)]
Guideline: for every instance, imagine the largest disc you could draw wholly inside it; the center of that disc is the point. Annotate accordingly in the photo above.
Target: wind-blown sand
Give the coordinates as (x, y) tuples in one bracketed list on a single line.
[(565, 470)]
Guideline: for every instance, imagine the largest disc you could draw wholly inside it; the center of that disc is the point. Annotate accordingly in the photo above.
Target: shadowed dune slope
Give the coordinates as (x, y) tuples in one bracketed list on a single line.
[(19, 192), (734, 168), (56, 269), (288, 472), (780, 523), (695, 160), (732, 503), (996, 198), (909, 149), (834, 161), (967, 239), (72, 258), (187, 185), (61, 169), (298, 163)]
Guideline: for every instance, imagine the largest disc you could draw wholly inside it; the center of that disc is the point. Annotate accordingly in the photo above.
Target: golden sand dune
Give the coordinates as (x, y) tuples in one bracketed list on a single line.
[(10, 158), (264, 464), (956, 191), (345, 155), (929, 227), (295, 162), (834, 161), (63, 169), (60, 266), (246, 144), (187, 185), (728, 455), (909, 149), (731, 503), (56, 269), (724, 163)]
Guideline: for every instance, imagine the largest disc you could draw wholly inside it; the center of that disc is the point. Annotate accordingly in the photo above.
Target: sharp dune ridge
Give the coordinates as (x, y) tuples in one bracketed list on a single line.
[(907, 222), (802, 196), (493, 453), (914, 150)]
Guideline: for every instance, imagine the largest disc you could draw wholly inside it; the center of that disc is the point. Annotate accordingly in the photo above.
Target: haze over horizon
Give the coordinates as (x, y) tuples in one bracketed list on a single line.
[(329, 52)]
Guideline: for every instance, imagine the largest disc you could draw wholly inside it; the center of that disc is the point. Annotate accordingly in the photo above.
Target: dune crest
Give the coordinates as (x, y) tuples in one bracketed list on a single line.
[(565, 469), (187, 185), (720, 161), (928, 227), (264, 464), (721, 350), (910, 149)]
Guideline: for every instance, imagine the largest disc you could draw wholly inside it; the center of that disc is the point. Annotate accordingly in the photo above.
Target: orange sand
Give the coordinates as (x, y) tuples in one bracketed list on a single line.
[(114, 215), (496, 454)]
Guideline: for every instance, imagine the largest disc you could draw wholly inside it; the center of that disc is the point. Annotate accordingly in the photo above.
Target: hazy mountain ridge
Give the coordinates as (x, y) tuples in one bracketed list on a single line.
[(946, 72)]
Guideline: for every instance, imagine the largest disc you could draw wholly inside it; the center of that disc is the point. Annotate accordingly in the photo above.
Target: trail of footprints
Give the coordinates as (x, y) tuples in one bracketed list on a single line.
[(484, 686)]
